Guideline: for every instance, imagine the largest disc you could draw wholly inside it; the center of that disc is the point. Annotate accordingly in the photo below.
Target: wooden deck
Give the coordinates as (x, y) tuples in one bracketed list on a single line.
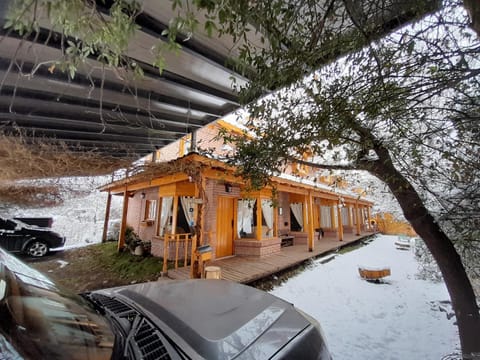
[(245, 269)]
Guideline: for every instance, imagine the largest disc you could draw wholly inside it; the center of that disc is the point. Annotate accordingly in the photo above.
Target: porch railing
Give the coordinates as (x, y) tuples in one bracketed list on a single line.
[(180, 241)]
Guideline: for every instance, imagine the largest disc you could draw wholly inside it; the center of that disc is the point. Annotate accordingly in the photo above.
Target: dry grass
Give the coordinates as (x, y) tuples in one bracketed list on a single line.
[(22, 160), (25, 160)]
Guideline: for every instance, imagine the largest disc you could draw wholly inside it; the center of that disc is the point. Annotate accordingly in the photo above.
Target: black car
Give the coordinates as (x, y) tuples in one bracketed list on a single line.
[(166, 319), (17, 236)]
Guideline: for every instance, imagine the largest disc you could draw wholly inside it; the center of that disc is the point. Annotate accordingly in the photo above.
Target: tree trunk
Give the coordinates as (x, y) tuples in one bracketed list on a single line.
[(442, 249), (473, 8)]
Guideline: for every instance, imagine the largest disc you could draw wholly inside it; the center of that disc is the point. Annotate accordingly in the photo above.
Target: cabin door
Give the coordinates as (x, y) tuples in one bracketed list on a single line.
[(225, 221)]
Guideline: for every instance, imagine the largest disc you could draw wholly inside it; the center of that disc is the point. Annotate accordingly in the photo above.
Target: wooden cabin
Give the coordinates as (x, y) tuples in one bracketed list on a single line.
[(194, 200)]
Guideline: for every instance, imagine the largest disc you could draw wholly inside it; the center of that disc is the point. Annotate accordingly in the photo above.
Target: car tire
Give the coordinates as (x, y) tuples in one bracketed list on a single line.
[(36, 248)]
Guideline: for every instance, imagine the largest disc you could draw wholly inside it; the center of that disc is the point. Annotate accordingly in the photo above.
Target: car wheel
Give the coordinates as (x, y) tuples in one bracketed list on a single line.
[(37, 249)]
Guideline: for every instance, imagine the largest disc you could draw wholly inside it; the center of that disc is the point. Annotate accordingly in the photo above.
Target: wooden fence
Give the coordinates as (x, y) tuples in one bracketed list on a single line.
[(180, 242)]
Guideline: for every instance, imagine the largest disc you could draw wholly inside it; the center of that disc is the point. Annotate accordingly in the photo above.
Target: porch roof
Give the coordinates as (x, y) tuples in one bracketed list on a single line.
[(109, 112), (177, 170)]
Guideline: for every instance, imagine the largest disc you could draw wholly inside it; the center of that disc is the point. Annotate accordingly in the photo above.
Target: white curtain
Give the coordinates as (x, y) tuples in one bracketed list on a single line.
[(345, 211), (166, 212), (245, 216), (297, 210), (326, 217), (267, 212), (188, 204)]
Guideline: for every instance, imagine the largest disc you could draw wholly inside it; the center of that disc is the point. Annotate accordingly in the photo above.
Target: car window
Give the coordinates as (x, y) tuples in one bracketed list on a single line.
[(7, 224), (42, 322)]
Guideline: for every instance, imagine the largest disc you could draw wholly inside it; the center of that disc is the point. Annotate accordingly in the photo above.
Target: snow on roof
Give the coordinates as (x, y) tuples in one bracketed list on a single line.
[(322, 186)]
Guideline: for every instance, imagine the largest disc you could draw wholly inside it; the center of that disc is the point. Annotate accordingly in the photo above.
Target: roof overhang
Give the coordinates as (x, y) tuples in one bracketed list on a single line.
[(108, 110), (153, 175)]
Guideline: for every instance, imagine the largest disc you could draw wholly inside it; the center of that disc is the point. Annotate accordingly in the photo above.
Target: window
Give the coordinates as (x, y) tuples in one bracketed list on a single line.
[(267, 218), (150, 209), (245, 218), (296, 216), (166, 216)]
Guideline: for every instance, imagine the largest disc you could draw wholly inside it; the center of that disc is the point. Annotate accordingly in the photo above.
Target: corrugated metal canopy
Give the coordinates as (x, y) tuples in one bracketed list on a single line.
[(101, 108)]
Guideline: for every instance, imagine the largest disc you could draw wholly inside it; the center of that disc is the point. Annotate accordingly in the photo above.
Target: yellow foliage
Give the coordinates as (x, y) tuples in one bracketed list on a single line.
[(389, 225)]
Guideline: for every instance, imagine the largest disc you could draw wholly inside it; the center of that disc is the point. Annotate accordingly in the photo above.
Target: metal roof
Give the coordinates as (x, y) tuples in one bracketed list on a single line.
[(101, 108)]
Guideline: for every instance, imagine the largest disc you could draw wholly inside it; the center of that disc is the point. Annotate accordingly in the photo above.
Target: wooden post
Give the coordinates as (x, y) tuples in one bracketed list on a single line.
[(174, 214), (197, 240), (311, 231), (107, 217), (258, 233), (123, 226), (364, 212), (340, 222), (357, 218), (370, 228), (350, 220), (319, 206), (201, 211), (165, 253), (332, 216), (275, 220)]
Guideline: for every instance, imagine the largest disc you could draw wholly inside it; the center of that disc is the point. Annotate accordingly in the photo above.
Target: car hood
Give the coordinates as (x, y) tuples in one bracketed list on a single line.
[(216, 318)]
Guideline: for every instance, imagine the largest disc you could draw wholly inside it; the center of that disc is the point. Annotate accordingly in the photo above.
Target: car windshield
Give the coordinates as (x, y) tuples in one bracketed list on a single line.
[(38, 321)]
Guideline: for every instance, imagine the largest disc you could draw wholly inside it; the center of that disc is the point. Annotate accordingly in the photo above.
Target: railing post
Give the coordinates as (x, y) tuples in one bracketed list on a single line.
[(193, 257), (177, 245), (185, 251), (165, 253)]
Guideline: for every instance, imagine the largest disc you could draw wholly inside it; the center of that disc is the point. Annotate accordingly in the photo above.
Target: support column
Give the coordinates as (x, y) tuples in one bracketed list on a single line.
[(311, 231), (275, 220), (107, 217), (258, 233), (350, 220), (174, 214), (362, 213), (370, 228), (200, 185), (332, 216), (123, 225), (358, 218), (320, 214), (340, 222)]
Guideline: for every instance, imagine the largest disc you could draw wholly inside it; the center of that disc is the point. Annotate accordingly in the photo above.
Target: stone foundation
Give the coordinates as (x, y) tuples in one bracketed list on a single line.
[(300, 238), (252, 247)]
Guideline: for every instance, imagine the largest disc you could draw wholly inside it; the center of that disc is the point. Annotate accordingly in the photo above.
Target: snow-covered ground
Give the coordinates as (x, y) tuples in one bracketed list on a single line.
[(81, 217), (405, 318)]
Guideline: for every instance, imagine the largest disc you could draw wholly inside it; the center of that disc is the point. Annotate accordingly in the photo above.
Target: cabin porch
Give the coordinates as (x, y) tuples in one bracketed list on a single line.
[(246, 269)]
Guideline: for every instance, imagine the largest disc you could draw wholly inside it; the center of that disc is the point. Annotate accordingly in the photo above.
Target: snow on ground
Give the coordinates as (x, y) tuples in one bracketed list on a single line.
[(405, 318), (81, 217)]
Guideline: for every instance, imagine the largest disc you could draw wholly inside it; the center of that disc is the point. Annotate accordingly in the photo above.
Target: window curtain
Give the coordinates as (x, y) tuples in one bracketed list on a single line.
[(187, 204), (245, 216), (267, 212), (297, 210), (345, 215), (166, 212), (326, 217)]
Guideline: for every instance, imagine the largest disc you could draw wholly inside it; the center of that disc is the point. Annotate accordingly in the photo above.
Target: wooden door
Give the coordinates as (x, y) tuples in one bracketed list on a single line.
[(225, 226)]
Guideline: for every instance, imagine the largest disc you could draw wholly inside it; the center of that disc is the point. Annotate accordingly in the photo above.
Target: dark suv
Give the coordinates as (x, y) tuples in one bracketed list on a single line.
[(166, 319), (16, 236)]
